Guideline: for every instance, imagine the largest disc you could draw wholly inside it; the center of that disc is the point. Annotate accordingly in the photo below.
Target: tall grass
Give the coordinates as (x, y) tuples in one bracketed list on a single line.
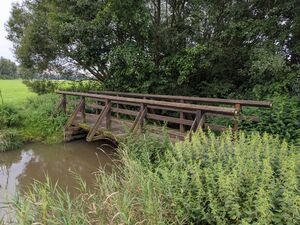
[(40, 123), (210, 180), (32, 121), (9, 140)]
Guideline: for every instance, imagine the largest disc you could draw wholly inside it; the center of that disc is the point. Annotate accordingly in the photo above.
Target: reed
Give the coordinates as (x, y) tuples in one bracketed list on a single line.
[(242, 179)]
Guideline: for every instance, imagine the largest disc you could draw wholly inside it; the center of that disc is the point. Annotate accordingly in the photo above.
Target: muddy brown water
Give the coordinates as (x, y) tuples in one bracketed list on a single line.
[(19, 168)]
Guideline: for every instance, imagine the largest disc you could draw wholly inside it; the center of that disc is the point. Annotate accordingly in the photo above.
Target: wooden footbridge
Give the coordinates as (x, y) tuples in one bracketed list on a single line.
[(113, 115)]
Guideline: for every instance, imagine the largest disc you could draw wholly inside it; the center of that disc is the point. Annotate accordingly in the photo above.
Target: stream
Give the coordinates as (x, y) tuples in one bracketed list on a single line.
[(19, 168)]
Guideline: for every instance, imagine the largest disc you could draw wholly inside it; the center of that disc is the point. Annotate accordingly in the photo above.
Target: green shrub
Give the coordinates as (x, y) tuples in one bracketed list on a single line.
[(210, 180), (10, 140), (82, 86), (9, 116), (41, 86), (282, 119)]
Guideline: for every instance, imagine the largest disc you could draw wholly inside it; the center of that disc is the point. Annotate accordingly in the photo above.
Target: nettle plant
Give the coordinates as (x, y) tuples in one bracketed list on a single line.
[(249, 179)]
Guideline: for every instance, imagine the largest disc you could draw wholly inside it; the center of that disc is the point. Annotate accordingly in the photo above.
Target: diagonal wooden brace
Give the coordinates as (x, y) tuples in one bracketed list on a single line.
[(74, 114), (100, 119), (197, 123), (140, 118)]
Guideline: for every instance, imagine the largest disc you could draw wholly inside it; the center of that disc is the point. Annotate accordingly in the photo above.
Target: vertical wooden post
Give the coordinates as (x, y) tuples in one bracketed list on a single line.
[(142, 121), (83, 109), (118, 108), (64, 103), (108, 115), (98, 111), (237, 107), (182, 130)]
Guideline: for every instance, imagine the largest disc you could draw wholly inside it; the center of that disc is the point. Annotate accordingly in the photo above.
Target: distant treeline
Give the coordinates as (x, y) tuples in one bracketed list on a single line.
[(8, 69)]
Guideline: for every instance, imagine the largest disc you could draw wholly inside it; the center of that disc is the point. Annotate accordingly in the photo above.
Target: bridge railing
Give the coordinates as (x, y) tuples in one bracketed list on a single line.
[(111, 106), (235, 103)]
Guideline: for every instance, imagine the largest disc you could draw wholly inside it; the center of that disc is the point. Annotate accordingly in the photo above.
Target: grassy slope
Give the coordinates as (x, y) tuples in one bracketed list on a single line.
[(14, 91)]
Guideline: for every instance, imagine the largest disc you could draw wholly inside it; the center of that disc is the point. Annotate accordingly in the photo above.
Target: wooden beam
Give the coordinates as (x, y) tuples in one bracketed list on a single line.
[(181, 128), (83, 110), (108, 115), (242, 102), (169, 119), (100, 119), (74, 114), (139, 117)]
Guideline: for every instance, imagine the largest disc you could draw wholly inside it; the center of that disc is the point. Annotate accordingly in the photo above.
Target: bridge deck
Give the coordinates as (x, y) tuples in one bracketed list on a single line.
[(119, 128)]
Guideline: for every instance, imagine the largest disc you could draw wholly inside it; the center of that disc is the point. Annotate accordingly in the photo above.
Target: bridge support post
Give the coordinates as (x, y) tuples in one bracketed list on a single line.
[(108, 114), (83, 109), (181, 126), (64, 103), (236, 118)]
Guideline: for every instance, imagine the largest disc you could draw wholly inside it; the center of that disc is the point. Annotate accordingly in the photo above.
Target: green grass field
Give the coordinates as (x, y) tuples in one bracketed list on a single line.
[(14, 91)]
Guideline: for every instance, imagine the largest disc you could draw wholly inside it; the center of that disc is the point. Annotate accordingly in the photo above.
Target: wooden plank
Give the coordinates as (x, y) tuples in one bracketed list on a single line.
[(169, 119), (124, 111), (181, 128), (242, 102), (83, 109), (108, 115)]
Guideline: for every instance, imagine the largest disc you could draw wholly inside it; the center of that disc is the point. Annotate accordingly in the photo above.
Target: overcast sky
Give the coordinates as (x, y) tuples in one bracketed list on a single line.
[(5, 45)]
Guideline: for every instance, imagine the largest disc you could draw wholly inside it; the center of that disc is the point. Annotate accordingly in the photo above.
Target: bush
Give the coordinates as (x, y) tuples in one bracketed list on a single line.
[(41, 86), (81, 86), (282, 119), (210, 180)]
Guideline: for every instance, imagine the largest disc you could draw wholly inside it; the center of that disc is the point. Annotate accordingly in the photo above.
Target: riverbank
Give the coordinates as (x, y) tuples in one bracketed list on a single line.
[(209, 180), (32, 121)]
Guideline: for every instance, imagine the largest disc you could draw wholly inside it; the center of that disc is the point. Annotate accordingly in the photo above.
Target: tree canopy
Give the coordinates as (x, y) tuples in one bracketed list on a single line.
[(195, 47)]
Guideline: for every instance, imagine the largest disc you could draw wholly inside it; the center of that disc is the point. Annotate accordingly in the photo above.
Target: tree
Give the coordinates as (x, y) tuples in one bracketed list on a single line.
[(8, 69), (196, 47)]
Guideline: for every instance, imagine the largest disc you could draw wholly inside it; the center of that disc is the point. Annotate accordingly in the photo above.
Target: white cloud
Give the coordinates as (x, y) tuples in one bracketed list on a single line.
[(5, 45)]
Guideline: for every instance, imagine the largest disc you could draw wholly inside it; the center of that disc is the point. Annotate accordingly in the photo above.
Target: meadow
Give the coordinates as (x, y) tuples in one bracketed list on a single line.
[(14, 91)]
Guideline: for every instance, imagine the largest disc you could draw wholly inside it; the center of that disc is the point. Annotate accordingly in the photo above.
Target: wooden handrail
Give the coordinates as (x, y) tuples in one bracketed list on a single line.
[(266, 104), (175, 105)]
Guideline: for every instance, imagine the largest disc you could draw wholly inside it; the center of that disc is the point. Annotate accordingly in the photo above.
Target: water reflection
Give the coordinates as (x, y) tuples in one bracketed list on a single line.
[(18, 168)]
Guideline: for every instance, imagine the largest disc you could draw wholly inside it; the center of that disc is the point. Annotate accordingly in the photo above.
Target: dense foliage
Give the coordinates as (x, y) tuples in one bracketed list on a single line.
[(33, 121), (282, 119), (211, 180), (40, 122), (197, 47), (8, 69)]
